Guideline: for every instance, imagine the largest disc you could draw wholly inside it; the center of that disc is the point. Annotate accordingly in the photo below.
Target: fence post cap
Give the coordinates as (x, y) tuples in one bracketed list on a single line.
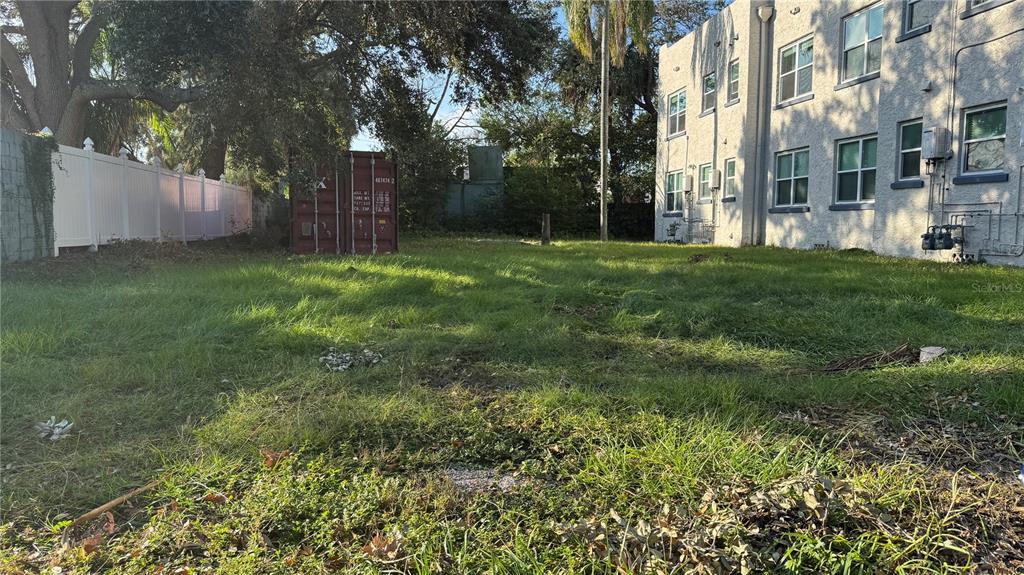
[(202, 172), (180, 169), (87, 144), (123, 152), (156, 161), (223, 178)]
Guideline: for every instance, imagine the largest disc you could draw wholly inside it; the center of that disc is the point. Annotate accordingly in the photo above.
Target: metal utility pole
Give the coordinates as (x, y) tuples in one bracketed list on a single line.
[(604, 121)]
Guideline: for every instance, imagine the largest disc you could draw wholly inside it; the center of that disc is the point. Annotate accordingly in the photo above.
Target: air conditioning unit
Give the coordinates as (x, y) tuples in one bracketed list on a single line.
[(935, 143), (716, 179), (687, 183)]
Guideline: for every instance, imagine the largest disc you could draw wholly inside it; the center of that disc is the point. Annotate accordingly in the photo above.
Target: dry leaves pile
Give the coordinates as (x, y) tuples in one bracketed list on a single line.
[(335, 360), (743, 529)]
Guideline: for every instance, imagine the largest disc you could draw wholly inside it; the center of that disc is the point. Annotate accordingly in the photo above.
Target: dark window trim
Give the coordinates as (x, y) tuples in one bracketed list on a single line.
[(705, 201), (974, 11), (731, 103), (792, 101), (789, 209), (920, 30), (858, 80), (906, 184), (676, 135), (707, 112), (675, 214), (728, 199), (851, 206), (981, 178)]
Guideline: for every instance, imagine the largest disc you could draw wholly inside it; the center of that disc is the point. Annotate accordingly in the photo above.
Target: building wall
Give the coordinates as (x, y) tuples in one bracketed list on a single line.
[(915, 81), (716, 135)]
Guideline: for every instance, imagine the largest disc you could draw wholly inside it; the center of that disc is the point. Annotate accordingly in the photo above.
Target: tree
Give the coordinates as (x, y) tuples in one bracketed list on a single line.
[(55, 40), (620, 22)]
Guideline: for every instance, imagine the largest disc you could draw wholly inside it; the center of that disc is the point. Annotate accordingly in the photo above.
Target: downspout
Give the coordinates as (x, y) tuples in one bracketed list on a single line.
[(759, 221)]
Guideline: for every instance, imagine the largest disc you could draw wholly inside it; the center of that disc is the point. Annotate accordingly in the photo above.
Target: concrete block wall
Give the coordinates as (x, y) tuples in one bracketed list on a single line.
[(26, 229)]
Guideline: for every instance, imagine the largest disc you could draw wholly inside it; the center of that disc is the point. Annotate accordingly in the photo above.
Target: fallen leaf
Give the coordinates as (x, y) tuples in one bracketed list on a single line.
[(215, 498), (90, 544), (271, 457)]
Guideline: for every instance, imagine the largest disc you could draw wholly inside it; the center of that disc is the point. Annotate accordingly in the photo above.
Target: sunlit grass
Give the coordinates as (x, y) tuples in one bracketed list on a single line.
[(615, 376)]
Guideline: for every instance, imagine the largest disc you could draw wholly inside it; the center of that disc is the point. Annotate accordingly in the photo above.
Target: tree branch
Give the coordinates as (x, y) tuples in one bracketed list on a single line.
[(440, 99), (456, 124), (10, 58), (12, 116), (167, 99), (81, 56)]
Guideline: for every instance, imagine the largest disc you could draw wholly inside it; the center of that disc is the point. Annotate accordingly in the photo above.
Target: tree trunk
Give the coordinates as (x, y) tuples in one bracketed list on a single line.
[(214, 157)]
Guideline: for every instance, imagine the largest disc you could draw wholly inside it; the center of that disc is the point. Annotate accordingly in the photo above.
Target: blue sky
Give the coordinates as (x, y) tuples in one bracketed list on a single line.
[(449, 111)]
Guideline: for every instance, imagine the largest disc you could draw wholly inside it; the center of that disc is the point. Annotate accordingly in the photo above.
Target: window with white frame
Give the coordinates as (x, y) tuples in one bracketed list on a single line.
[(674, 192), (677, 113), (796, 69), (910, 150), (730, 177), (791, 177), (855, 170), (710, 89), (862, 42), (984, 139), (733, 93), (918, 13), (705, 182)]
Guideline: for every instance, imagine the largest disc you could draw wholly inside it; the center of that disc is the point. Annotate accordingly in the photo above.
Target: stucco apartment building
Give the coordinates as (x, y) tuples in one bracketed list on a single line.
[(847, 124)]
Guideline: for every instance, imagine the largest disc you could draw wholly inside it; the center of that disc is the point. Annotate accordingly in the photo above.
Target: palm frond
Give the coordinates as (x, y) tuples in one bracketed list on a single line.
[(577, 18), (640, 18)]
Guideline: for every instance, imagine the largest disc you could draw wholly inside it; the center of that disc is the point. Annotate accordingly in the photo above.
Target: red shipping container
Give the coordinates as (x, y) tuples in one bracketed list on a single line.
[(354, 209)]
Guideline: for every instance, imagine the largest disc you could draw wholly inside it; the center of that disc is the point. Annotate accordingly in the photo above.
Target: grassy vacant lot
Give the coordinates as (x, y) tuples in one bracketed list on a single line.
[(573, 408)]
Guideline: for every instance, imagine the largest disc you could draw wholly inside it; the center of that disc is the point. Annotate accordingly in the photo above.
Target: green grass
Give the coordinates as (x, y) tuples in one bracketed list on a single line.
[(630, 392)]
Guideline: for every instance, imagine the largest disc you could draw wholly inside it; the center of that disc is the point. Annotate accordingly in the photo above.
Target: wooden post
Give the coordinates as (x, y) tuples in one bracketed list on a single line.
[(545, 230)]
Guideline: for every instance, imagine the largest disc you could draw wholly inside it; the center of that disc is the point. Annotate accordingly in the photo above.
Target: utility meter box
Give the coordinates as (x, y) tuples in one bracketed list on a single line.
[(688, 183), (716, 179), (935, 143)]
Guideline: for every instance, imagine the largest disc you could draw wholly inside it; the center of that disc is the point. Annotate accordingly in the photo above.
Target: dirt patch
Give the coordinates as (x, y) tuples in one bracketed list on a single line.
[(932, 441), (130, 258), (470, 481), (587, 312), (702, 257), (463, 372)]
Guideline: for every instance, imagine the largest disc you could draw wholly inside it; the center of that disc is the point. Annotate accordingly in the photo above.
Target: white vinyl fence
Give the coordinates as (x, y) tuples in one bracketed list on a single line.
[(100, 198)]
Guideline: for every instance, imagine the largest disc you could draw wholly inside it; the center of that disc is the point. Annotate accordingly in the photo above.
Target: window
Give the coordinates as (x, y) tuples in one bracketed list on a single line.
[(910, 150), (918, 13), (677, 113), (862, 43), (973, 3), (730, 178), (795, 69), (791, 170), (709, 92), (705, 181), (674, 192), (985, 139), (734, 81), (855, 170)]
